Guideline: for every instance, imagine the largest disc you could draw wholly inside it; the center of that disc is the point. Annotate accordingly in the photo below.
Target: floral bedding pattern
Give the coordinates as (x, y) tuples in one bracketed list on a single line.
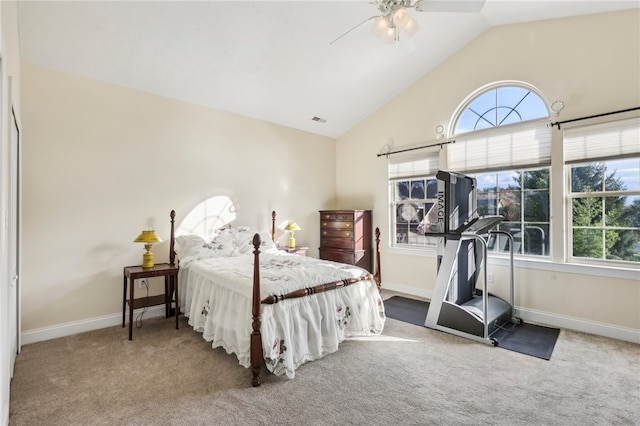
[(216, 297)]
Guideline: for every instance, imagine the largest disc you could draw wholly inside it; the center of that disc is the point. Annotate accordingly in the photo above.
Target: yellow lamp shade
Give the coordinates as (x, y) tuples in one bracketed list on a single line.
[(148, 238), (291, 227)]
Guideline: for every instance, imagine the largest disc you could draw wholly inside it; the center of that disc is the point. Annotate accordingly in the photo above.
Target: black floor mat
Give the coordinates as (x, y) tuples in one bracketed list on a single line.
[(406, 310), (528, 339)]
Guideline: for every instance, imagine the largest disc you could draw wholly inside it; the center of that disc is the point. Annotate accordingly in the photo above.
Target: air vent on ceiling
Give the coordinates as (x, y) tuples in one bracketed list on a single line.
[(319, 120)]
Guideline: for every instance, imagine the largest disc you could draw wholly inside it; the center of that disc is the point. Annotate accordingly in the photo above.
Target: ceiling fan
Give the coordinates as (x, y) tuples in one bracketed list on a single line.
[(394, 15)]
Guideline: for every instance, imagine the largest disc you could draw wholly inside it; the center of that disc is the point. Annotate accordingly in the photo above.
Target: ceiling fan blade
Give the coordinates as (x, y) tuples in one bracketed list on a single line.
[(361, 23), (469, 6)]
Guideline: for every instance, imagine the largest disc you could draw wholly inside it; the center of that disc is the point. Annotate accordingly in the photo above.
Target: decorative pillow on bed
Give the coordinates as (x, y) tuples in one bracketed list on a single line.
[(194, 247), (239, 241), (266, 244), (233, 240)]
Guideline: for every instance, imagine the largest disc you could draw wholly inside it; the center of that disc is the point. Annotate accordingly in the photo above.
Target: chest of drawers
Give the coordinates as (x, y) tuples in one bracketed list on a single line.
[(345, 236)]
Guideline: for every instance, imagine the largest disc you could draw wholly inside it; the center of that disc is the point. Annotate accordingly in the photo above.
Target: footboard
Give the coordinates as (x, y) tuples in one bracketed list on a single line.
[(257, 351)]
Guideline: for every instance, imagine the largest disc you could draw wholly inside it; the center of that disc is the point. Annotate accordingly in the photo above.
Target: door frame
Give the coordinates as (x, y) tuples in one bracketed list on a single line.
[(14, 237)]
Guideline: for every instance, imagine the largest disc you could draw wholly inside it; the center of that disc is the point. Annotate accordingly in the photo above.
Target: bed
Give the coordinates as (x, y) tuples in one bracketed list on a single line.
[(268, 307)]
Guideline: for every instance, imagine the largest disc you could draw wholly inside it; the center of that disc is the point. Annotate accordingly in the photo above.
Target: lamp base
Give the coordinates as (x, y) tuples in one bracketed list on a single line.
[(292, 242), (147, 258)]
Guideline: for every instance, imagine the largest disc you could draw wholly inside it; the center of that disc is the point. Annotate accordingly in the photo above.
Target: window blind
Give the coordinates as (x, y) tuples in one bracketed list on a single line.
[(601, 141), (522, 145), (423, 163)]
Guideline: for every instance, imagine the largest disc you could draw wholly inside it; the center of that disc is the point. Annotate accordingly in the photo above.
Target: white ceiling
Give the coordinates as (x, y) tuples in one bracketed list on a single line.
[(268, 60)]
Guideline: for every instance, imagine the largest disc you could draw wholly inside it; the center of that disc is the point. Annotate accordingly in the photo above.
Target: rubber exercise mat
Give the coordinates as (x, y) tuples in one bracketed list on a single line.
[(406, 310), (528, 339)]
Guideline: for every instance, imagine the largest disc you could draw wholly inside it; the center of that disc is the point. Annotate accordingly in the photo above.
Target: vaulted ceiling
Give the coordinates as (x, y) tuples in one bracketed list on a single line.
[(269, 60)]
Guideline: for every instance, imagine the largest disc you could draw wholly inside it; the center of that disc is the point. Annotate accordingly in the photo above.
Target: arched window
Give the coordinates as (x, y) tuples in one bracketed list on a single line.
[(503, 141), (497, 106)]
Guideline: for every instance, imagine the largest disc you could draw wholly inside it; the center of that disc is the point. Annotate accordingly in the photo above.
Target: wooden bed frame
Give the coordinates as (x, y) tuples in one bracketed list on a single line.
[(256, 337)]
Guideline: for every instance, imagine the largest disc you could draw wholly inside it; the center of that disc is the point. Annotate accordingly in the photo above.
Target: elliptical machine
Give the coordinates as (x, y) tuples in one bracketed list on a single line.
[(457, 306)]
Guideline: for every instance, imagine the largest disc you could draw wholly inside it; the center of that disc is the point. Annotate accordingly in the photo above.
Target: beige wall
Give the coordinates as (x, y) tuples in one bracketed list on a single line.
[(102, 162), (592, 63)]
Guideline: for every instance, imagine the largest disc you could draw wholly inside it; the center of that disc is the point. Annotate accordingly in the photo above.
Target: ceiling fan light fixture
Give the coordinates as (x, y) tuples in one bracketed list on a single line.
[(411, 27), (380, 27), (401, 17), (390, 35)]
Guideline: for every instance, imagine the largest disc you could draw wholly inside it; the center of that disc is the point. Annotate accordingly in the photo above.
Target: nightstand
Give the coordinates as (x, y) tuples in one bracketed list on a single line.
[(133, 273), (300, 251)]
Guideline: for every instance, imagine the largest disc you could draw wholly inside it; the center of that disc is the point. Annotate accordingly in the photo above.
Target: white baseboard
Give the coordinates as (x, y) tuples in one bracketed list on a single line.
[(547, 318), (577, 324), (426, 294), (67, 329)]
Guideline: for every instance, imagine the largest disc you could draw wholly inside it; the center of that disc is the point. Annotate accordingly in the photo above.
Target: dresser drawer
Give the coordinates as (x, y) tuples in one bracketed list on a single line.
[(335, 224), (337, 256), (335, 233), (337, 216), (346, 243)]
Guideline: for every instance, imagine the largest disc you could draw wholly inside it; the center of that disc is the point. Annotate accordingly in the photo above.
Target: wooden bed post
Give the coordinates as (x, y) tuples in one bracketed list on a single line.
[(172, 253), (273, 227), (378, 275), (256, 337)]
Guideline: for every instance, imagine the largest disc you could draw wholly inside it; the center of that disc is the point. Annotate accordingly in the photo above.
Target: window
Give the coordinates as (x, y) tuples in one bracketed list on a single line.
[(604, 191), (522, 197), (412, 201), (503, 141), (605, 208), (499, 106), (413, 192)]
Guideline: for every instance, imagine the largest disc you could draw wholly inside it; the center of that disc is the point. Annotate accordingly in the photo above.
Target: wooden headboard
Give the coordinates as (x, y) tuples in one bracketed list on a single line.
[(172, 240)]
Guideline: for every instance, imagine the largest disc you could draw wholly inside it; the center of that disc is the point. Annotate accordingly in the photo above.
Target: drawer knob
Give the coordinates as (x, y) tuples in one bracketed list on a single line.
[(324, 232), (348, 225), (324, 224), (347, 234)]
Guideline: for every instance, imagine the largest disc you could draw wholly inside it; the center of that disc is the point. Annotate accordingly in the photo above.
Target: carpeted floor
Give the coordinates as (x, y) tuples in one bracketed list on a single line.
[(408, 376)]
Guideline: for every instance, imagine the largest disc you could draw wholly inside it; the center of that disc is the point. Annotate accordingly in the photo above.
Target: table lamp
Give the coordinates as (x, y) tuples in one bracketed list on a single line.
[(148, 238), (291, 227)]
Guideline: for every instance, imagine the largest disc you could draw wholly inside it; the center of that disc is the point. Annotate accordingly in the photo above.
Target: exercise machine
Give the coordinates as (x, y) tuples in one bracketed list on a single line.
[(457, 306)]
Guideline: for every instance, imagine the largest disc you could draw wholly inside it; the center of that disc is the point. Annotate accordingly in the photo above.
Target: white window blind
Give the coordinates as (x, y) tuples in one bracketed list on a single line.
[(601, 141), (521, 145), (416, 163)]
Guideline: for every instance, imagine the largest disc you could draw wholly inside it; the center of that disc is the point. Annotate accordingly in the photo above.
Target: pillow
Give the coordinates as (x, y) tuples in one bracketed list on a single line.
[(187, 245), (239, 241), (194, 247), (266, 244)]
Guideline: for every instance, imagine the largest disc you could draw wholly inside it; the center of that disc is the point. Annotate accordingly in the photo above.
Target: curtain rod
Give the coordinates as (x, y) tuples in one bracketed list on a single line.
[(387, 154), (558, 123)]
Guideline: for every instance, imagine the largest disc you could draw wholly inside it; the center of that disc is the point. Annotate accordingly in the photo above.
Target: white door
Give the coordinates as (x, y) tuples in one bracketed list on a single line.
[(14, 238)]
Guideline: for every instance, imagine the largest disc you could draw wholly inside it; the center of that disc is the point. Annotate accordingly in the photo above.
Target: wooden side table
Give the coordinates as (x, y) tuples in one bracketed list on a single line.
[(300, 251), (133, 273)]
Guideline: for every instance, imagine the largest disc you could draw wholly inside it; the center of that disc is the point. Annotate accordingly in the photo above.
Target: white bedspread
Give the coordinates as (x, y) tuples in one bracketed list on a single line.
[(215, 294)]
